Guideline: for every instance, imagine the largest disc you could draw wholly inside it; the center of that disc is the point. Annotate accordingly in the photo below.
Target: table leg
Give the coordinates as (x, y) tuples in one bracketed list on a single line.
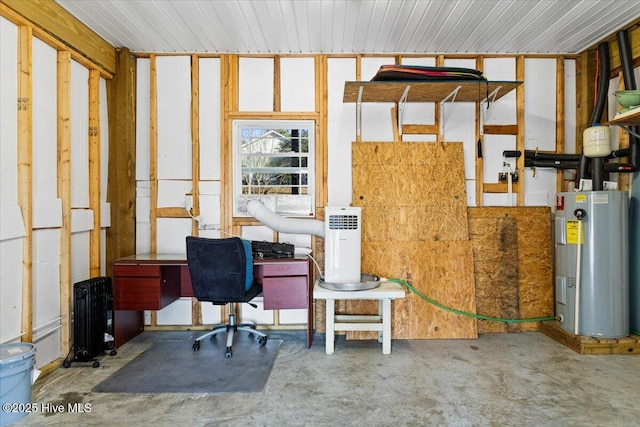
[(330, 326), (386, 326)]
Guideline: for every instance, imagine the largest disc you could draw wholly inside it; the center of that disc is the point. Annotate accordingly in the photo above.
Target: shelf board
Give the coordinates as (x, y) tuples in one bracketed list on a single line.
[(627, 120), (426, 91)]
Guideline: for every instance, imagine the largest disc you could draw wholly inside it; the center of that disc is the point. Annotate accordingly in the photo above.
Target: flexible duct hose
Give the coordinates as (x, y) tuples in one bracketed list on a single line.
[(282, 224)]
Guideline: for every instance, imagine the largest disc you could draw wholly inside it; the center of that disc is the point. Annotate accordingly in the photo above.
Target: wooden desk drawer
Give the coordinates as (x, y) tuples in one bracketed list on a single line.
[(136, 270), (278, 269), (147, 293), (285, 292)]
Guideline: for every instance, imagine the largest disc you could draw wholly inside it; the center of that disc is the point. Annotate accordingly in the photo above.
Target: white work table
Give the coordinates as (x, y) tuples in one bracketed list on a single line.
[(384, 293)]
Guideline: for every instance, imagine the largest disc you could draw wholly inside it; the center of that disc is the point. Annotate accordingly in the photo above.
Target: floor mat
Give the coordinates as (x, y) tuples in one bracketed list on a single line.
[(171, 366)]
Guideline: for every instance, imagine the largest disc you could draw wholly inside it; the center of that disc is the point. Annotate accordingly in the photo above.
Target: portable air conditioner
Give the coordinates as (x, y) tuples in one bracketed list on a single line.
[(343, 232)]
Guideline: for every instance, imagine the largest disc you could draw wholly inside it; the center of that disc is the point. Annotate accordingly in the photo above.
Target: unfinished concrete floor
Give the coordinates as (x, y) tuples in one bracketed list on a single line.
[(524, 379)]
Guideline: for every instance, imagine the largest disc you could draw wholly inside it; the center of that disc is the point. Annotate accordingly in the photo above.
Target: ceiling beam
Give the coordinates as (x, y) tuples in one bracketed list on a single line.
[(60, 24)]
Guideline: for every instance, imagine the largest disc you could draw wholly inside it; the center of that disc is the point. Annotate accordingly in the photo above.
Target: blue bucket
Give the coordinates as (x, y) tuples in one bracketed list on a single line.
[(16, 370)]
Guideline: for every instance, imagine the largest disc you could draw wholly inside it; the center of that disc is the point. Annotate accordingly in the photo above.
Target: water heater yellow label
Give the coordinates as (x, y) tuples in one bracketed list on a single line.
[(581, 198), (573, 238)]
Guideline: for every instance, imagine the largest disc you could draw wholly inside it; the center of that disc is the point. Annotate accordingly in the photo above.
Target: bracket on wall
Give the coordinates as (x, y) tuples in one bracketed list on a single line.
[(401, 105), (493, 95), (451, 96)]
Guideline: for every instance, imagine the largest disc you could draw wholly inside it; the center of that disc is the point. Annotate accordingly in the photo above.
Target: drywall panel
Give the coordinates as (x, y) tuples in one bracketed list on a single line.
[(297, 84), (172, 233), (209, 95), (494, 162), (143, 118), (211, 314), (81, 220), (376, 117), (10, 289), (8, 113), (255, 91), (45, 155), (341, 131), (46, 279), (79, 136), (174, 117), (209, 204), (47, 212), (176, 313), (11, 223), (570, 105), (171, 193), (80, 255), (503, 111)]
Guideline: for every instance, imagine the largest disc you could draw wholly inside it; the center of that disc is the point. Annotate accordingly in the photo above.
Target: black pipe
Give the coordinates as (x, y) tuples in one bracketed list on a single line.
[(602, 83), (512, 153), (556, 164), (532, 154)]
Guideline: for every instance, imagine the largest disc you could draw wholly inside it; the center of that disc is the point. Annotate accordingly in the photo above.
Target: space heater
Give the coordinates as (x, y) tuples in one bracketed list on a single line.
[(342, 237)]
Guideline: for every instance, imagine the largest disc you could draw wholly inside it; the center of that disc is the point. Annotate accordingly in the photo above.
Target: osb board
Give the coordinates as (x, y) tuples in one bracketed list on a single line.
[(590, 345), (415, 228), (387, 174), (535, 262), (495, 263), (440, 270)]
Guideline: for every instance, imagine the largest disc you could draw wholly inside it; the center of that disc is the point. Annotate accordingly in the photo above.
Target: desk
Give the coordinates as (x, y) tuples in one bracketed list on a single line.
[(153, 281), (381, 323)]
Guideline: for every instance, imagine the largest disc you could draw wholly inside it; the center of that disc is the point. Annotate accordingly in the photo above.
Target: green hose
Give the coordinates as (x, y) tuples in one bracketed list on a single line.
[(634, 332), (464, 313)]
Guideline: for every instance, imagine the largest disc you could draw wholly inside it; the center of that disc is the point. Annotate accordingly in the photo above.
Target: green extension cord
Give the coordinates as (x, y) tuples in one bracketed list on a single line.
[(464, 313)]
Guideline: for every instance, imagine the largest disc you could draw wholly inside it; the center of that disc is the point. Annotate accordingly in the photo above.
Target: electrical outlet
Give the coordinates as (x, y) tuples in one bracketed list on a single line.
[(188, 202)]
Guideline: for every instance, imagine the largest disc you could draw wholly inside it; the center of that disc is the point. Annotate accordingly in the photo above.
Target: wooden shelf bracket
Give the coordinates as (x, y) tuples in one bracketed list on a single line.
[(493, 95)]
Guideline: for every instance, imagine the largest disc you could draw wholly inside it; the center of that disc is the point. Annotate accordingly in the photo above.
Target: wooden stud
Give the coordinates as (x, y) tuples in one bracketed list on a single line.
[(153, 153), (623, 142), (560, 136), (501, 129), (520, 138), (479, 172), (277, 92), (25, 174), (195, 141), (94, 173), (63, 97)]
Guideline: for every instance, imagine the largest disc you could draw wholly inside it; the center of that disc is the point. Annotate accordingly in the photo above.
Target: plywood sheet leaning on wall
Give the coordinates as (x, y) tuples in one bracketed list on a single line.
[(491, 230), (415, 228)]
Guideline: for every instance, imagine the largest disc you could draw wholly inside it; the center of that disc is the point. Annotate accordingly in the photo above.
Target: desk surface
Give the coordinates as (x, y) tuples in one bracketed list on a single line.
[(385, 290)]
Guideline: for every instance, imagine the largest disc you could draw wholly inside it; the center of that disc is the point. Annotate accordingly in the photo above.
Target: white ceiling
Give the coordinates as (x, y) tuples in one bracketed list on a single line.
[(355, 26)]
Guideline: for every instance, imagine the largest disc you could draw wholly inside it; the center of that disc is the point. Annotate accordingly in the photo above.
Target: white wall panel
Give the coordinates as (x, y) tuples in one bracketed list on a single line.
[(255, 90), (143, 118), (176, 313), (171, 193), (79, 136), (10, 289), (172, 233), (80, 256), (46, 278), (570, 105), (174, 117), (376, 117), (341, 131), (104, 142), (503, 111), (8, 113), (419, 112), (297, 84), (209, 118)]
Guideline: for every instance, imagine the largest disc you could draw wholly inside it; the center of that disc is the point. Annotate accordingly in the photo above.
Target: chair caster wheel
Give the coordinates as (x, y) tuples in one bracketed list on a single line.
[(66, 363), (229, 353), (196, 346), (113, 353), (96, 364), (263, 341)]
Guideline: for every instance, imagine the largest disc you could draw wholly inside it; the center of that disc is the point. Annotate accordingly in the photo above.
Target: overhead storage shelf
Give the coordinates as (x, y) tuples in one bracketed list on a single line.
[(627, 121), (427, 91)]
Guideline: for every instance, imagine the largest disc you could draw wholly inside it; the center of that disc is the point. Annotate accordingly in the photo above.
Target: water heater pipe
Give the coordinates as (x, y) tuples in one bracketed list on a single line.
[(579, 213), (282, 224)]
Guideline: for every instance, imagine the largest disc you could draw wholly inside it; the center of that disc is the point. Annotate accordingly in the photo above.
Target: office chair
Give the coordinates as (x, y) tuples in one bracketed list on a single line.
[(221, 273)]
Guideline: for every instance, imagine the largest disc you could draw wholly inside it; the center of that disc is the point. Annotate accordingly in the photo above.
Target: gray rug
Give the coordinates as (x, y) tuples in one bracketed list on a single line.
[(171, 366)]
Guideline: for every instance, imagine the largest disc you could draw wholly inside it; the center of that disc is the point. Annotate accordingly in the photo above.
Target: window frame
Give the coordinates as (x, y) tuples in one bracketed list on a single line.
[(271, 201)]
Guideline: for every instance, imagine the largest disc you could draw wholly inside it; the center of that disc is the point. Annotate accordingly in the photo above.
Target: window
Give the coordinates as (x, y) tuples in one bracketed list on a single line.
[(274, 163)]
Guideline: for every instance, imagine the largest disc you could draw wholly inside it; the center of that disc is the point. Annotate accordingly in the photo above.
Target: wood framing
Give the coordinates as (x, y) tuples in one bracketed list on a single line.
[(63, 97), (54, 21), (560, 122), (25, 174), (94, 173), (520, 137)]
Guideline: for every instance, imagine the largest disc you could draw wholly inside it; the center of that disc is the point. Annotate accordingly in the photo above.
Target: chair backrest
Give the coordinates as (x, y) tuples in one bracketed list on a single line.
[(218, 268)]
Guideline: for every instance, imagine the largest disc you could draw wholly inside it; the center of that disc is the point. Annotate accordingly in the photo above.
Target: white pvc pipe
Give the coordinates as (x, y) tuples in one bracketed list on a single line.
[(576, 311), (282, 224)]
